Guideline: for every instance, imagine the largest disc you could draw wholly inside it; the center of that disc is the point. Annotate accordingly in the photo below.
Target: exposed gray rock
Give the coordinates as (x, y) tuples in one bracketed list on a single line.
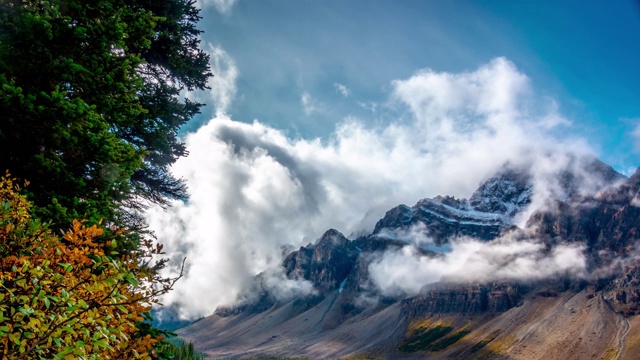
[(464, 299), (326, 264)]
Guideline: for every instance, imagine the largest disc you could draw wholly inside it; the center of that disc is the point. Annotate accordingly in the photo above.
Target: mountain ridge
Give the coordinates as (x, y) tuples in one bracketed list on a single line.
[(345, 299)]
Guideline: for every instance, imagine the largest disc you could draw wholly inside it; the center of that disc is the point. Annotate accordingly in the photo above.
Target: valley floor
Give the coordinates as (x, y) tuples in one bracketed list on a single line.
[(570, 325)]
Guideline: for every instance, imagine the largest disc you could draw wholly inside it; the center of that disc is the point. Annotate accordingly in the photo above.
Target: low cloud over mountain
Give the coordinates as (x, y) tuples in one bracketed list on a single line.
[(256, 192)]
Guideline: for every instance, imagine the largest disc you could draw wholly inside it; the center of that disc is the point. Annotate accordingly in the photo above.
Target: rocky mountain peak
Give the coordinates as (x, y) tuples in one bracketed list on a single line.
[(326, 264), (508, 192), (635, 178), (485, 215), (332, 237)]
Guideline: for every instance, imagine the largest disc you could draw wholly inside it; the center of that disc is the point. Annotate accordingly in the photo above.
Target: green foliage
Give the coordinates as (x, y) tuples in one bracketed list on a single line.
[(67, 298), (90, 100), (431, 338), (449, 340), (90, 103), (480, 344), (178, 351), (422, 339)]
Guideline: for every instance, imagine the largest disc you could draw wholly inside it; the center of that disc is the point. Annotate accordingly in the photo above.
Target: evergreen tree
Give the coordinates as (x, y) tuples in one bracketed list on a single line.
[(90, 103)]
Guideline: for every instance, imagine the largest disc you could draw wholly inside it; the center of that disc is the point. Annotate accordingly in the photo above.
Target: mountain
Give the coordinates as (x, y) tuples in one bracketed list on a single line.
[(486, 215), (566, 315)]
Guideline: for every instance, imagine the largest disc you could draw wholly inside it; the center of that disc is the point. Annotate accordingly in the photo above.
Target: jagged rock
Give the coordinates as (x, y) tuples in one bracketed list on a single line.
[(398, 217), (508, 192), (443, 218), (608, 223), (376, 243), (326, 264), (332, 260), (624, 290), (297, 265), (464, 299), (486, 215)]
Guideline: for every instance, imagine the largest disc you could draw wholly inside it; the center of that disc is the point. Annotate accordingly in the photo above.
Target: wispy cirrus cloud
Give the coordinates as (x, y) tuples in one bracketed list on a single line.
[(309, 104), (342, 89), (635, 134)]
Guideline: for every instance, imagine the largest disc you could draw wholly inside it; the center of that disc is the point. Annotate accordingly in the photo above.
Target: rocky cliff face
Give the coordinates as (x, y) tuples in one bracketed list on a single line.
[(326, 264), (443, 218), (608, 223), (464, 299), (624, 290)]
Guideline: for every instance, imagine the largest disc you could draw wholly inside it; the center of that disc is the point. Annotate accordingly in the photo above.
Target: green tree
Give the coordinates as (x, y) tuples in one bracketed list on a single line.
[(179, 351), (90, 103), (68, 298)]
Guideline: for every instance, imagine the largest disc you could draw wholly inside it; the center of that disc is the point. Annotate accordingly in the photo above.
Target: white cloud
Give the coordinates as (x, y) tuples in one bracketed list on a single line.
[(370, 106), (416, 234), (309, 104), (223, 6), (254, 191), (636, 136), (342, 89), (222, 85), (406, 271), (276, 282)]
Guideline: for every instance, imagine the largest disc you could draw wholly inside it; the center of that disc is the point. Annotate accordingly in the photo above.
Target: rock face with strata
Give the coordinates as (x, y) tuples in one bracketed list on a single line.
[(485, 216), (464, 299), (443, 218)]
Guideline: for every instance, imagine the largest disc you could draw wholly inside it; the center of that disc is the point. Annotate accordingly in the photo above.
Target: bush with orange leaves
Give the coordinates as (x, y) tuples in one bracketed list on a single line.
[(70, 297)]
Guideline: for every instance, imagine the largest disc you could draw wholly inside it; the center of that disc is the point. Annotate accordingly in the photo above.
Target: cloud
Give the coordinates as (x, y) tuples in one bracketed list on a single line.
[(635, 134), (276, 283), (223, 6), (416, 234), (222, 86), (342, 89), (254, 191), (370, 106), (406, 271), (309, 104)]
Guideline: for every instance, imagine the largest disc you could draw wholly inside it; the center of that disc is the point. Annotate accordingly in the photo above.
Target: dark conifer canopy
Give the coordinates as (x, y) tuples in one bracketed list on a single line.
[(90, 102)]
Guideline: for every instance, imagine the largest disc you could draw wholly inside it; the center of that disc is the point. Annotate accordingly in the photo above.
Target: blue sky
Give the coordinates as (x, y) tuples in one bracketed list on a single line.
[(582, 54)]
